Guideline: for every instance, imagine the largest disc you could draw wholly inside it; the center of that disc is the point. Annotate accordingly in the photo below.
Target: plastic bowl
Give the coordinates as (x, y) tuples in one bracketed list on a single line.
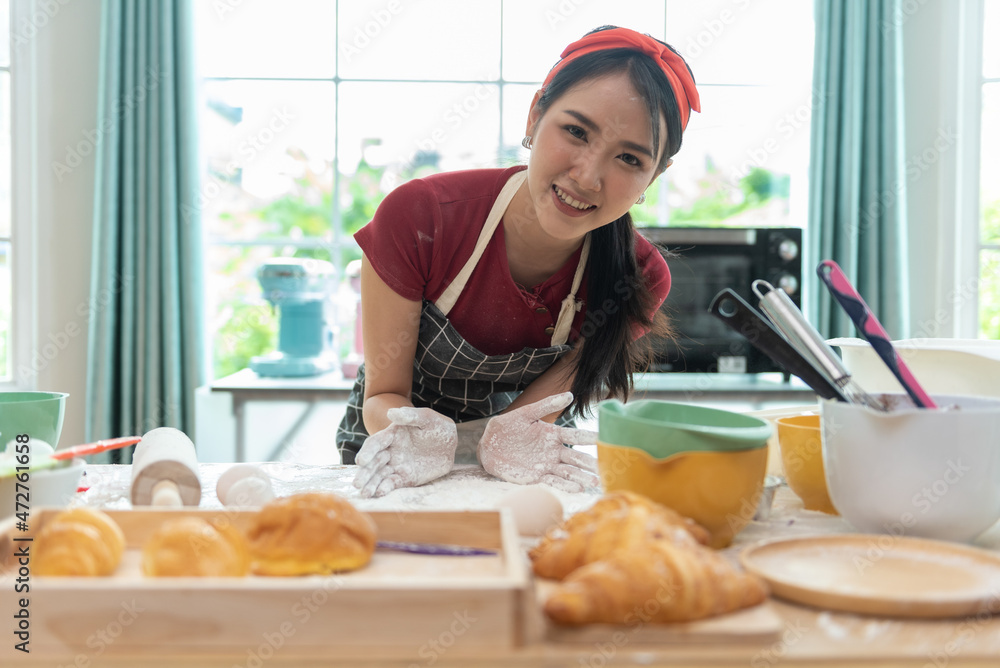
[(941, 366), (707, 464), (916, 472), (39, 415), (801, 445), (665, 428), (46, 487)]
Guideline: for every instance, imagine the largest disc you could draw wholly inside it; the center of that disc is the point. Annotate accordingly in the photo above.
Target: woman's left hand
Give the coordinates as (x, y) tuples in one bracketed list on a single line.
[(522, 448)]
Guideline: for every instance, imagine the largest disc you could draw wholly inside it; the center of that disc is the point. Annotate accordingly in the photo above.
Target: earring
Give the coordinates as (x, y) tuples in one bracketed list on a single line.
[(526, 142), (642, 198)]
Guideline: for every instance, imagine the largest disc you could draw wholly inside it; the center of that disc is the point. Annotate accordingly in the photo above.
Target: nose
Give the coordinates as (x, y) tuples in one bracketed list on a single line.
[(586, 169)]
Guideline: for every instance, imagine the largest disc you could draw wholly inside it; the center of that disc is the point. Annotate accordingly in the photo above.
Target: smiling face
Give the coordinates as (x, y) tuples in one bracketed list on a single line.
[(592, 156)]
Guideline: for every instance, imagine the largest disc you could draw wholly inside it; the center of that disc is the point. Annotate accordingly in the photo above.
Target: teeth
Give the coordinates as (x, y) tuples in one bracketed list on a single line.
[(576, 204)]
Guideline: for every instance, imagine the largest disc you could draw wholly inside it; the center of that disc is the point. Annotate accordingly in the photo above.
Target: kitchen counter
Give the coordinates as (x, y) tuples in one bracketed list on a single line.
[(810, 637)]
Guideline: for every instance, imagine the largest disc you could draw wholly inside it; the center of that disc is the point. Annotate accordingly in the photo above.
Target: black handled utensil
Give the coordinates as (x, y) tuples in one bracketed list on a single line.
[(744, 319)]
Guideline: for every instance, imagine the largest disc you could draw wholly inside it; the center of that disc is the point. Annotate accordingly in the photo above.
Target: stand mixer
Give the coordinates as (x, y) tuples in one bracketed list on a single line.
[(299, 288)]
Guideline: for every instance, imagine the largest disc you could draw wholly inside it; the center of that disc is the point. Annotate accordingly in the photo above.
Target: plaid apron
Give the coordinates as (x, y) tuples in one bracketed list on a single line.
[(453, 377)]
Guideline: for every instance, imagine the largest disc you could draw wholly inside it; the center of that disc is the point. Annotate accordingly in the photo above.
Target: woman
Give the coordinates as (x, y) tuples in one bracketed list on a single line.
[(493, 300)]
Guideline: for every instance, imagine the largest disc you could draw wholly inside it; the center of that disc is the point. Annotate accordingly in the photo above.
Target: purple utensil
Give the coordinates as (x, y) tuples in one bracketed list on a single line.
[(869, 326)]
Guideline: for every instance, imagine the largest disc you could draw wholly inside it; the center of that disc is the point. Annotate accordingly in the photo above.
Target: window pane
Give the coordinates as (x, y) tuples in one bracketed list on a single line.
[(744, 159), (4, 33), (5, 155), (446, 126), (990, 163), (989, 294), (243, 324), (991, 46), (263, 38), (5, 310), (516, 104), (419, 39), (744, 43), (270, 154), (535, 33)]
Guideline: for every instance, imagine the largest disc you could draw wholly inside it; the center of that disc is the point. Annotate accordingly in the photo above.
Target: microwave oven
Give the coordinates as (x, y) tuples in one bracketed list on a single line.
[(703, 261)]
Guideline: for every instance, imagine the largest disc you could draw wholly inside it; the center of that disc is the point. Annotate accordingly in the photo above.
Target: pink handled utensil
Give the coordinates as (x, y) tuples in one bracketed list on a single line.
[(94, 448), (869, 326)]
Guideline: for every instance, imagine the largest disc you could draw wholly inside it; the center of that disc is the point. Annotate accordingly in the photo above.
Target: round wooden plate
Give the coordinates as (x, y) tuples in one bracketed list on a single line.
[(879, 574)]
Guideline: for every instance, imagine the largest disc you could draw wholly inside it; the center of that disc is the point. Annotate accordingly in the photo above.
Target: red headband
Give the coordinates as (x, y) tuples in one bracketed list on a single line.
[(672, 64)]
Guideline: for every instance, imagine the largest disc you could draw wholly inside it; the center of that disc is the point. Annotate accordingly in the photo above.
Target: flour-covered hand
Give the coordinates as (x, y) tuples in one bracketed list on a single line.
[(418, 447), (520, 447)]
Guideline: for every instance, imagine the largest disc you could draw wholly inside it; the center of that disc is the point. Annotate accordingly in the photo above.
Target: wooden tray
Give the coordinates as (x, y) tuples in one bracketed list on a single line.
[(403, 603), (879, 575)]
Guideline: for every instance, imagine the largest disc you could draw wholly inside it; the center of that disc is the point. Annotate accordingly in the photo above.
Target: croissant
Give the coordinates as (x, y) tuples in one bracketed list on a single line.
[(617, 520), (79, 541), (661, 581), (193, 546)]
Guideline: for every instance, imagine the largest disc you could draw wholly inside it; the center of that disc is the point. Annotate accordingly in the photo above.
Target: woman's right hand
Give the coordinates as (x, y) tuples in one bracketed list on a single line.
[(417, 447)]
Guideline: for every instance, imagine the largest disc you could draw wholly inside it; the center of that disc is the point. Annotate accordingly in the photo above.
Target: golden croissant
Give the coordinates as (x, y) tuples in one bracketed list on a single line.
[(617, 520), (79, 541), (661, 581)]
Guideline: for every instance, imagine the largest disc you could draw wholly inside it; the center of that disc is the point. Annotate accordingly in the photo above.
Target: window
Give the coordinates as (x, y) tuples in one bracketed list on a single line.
[(314, 110), (6, 240), (989, 180)]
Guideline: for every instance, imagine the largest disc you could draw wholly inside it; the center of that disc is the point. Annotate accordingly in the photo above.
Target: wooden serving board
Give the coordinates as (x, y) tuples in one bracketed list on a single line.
[(400, 602), (757, 625)]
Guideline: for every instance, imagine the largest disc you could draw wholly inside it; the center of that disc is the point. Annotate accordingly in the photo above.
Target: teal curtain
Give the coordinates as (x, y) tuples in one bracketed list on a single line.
[(857, 193), (146, 350)]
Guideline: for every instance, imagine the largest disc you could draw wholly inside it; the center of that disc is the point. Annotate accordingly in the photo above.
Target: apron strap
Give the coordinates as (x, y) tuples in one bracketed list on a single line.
[(569, 307), (447, 300)]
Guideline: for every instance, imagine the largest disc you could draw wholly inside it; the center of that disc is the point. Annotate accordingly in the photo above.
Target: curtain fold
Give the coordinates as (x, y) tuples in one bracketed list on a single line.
[(857, 195), (146, 352)]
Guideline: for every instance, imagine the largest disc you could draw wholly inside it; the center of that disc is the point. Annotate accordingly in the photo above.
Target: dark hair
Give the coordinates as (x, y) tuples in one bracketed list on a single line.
[(619, 303)]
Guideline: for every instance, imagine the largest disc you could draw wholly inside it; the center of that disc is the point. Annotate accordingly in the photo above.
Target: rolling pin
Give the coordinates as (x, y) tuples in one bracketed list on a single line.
[(165, 470), (244, 485)]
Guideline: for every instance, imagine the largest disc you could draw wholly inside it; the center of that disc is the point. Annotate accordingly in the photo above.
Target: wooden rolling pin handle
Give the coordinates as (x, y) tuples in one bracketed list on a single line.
[(166, 493)]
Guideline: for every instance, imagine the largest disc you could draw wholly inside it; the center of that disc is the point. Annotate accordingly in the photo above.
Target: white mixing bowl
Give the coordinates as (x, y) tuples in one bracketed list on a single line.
[(916, 472), (942, 366)]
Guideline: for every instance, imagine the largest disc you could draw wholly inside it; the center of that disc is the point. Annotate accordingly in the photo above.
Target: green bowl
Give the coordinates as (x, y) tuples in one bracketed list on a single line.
[(664, 428), (36, 414)]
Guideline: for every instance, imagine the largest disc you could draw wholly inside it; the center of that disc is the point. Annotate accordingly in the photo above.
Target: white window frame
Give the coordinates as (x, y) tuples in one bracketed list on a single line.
[(962, 72), (24, 202)]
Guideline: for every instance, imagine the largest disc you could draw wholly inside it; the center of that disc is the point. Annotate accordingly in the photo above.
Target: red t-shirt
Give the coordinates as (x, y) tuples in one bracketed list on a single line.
[(424, 231)]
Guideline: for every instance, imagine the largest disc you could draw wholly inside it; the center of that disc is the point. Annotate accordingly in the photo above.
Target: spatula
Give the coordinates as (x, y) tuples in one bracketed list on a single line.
[(94, 448), (869, 326)]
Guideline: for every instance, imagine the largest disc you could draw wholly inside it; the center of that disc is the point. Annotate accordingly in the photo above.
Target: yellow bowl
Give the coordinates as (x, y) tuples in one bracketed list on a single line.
[(800, 442), (719, 490)]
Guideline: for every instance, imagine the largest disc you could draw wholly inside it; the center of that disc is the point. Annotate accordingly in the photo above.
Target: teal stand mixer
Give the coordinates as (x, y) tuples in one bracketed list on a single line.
[(299, 289)]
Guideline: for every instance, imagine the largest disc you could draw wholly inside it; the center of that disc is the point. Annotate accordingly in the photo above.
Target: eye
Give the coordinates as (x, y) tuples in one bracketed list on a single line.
[(576, 131), (631, 160)]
